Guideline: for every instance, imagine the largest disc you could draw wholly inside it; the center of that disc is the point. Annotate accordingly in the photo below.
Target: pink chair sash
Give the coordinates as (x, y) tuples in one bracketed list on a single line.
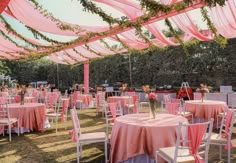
[(172, 108), (72, 132), (65, 104), (74, 97), (97, 102), (112, 108), (2, 100), (135, 100), (195, 134)]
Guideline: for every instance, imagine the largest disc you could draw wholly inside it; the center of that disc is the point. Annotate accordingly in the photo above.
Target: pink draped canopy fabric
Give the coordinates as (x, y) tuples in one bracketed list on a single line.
[(184, 22), (3, 5), (132, 12), (22, 9), (224, 19), (155, 30), (99, 48)]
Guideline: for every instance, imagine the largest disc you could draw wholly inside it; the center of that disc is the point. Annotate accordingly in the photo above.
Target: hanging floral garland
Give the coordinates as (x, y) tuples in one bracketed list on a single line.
[(38, 34), (222, 41), (152, 8), (172, 30), (107, 45), (10, 29), (59, 23), (81, 55), (91, 50)]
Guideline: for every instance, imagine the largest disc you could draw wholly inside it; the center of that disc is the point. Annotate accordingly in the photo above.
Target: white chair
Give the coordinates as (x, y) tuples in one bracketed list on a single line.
[(100, 103), (192, 143), (6, 120), (113, 110), (61, 112), (220, 116), (166, 99), (132, 104), (51, 101), (177, 109), (87, 138), (184, 113), (223, 138), (143, 103)]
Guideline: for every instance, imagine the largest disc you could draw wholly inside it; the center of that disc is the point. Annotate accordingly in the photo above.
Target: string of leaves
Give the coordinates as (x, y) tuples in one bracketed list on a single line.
[(38, 34), (222, 41), (60, 24), (81, 55), (107, 45), (172, 30), (91, 50), (10, 29)]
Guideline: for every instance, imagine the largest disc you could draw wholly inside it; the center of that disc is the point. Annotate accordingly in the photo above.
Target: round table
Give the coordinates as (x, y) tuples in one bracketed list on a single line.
[(138, 134), (205, 110), (30, 116)]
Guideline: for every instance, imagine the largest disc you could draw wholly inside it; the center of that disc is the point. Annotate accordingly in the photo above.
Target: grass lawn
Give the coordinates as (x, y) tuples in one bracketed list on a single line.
[(51, 147)]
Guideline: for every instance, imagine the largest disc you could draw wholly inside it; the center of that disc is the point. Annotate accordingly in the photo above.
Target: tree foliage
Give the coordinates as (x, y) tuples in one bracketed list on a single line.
[(207, 63)]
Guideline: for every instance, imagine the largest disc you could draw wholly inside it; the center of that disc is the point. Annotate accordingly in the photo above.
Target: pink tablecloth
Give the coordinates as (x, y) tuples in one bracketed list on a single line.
[(207, 109), (30, 115), (123, 100), (86, 98), (136, 134)]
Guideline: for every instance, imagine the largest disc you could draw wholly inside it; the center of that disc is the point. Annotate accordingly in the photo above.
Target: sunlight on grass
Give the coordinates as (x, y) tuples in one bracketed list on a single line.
[(67, 158), (7, 153), (49, 145)]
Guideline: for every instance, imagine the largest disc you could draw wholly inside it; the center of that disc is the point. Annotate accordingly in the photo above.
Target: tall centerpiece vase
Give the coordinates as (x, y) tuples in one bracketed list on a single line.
[(203, 96), (152, 112), (22, 97)]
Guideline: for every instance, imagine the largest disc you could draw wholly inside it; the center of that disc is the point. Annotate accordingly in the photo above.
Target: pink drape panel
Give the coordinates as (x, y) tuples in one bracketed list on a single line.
[(3, 5), (73, 54), (54, 58), (86, 77), (155, 30), (184, 22), (7, 46), (85, 52), (112, 108), (27, 14), (224, 18), (126, 7), (3, 28), (195, 134), (99, 48)]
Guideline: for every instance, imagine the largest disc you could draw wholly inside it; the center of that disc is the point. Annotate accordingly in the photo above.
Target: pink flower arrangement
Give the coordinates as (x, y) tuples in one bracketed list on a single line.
[(203, 90), (152, 96)]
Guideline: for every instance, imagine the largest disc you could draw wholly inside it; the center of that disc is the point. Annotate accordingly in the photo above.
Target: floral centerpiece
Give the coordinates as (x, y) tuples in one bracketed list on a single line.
[(203, 90), (21, 92), (152, 99), (123, 87)]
